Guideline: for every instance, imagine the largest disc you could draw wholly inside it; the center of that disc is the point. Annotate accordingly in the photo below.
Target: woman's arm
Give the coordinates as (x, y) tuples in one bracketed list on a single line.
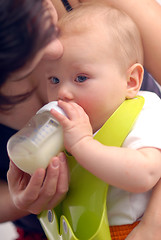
[(147, 15), (8, 211), (150, 226)]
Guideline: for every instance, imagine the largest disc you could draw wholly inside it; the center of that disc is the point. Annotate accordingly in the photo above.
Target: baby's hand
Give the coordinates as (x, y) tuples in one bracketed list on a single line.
[(76, 125)]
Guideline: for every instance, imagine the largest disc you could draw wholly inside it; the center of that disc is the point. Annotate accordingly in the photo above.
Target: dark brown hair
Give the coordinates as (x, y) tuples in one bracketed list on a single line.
[(23, 32)]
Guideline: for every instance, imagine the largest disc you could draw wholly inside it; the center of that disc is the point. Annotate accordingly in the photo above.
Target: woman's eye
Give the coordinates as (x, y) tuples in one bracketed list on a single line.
[(81, 78), (54, 80)]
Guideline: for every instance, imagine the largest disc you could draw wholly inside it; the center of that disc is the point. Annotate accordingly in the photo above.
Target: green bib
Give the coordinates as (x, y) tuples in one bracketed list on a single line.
[(82, 215)]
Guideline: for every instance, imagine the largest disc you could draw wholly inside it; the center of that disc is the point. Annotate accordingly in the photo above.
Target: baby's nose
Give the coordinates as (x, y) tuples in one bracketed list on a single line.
[(65, 93)]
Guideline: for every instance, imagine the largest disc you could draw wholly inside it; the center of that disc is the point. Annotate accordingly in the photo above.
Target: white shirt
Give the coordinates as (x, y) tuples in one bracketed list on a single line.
[(124, 207)]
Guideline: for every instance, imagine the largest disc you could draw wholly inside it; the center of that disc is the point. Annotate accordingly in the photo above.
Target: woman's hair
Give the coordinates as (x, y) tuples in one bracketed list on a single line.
[(25, 27), (121, 35)]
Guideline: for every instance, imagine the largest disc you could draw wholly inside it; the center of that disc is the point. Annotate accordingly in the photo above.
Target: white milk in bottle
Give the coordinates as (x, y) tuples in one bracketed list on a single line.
[(42, 138)]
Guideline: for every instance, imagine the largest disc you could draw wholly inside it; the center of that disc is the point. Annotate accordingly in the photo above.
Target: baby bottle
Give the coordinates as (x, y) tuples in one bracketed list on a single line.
[(42, 138)]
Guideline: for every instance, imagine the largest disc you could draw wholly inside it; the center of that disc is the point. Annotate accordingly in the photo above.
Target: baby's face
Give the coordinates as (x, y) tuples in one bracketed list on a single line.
[(90, 76)]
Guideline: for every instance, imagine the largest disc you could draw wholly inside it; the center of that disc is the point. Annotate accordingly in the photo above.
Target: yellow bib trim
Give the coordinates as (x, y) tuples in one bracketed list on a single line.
[(82, 215)]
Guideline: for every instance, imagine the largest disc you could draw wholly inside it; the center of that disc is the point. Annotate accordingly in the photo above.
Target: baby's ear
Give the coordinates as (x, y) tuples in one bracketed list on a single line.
[(134, 79)]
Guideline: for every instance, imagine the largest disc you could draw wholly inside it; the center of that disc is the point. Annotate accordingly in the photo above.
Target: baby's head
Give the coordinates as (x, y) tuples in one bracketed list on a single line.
[(100, 66), (112, 29)]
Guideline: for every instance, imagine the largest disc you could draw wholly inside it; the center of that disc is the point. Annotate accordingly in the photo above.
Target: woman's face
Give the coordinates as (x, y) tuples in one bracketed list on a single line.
[(54, 50)]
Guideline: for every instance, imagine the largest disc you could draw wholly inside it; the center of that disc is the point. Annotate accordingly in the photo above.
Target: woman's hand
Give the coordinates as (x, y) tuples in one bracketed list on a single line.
[(43, 190), (144, 231), (150, 226), (141, 232)]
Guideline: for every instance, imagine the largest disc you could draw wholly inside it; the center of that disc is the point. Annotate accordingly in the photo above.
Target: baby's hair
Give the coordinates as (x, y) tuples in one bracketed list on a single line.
[(125, 38)]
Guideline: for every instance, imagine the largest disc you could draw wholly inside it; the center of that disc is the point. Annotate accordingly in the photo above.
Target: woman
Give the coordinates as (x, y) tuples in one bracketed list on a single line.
[(20, 193), (28, 35)]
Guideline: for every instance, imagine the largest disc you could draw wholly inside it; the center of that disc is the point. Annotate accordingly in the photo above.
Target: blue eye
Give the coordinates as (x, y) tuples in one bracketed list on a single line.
[(81, 78), (54, 80)]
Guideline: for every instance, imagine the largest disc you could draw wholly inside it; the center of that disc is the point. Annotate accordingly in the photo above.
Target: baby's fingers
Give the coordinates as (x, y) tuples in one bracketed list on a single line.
[(72, 109)]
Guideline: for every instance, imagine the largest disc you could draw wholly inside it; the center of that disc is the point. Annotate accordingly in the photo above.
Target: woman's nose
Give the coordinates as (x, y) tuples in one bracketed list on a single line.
[(53, 50)]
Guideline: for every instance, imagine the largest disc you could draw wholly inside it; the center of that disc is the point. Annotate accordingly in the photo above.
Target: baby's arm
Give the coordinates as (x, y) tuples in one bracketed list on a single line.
[(131, 170)]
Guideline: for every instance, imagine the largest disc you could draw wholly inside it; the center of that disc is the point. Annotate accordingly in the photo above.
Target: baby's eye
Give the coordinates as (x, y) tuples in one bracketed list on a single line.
[(81, 78), (54, 80)]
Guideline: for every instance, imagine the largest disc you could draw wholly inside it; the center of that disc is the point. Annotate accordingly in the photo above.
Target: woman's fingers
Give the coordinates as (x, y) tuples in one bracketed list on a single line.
[(43, 190), (63, 182)]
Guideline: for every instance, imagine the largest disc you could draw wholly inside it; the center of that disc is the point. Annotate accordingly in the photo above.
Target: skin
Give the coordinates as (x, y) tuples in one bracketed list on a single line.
[(44, 189), (144, 12), (17, 84), (85, 81), (79, 92), (80, 100), (149, 227), (147, 15)]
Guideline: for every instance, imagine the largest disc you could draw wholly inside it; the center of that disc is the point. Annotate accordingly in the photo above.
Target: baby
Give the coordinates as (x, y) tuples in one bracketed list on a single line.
[(102, 67)]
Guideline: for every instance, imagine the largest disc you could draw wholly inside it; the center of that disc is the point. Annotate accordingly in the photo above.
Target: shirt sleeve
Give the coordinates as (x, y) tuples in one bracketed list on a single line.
[(146, 131)]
